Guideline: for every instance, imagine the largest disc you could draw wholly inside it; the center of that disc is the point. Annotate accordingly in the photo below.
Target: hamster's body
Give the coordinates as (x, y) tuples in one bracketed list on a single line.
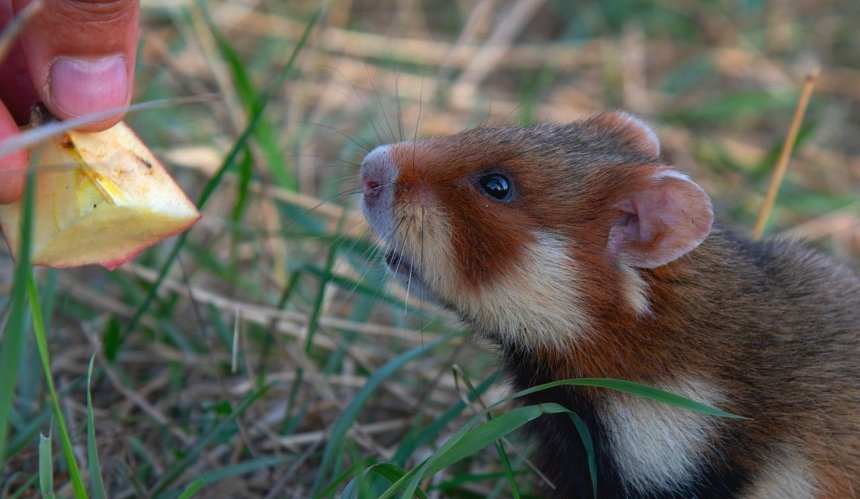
[(759, 347), (581, 254)]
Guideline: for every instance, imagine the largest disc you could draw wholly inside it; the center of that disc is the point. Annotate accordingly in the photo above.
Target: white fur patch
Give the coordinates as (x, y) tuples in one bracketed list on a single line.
[(788, 474), (671, 174), (657, 446), (424, 235), (538, 302), (635, 290)]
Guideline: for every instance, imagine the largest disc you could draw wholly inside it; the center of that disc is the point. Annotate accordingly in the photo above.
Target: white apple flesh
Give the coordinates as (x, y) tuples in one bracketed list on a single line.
[(101, 198)]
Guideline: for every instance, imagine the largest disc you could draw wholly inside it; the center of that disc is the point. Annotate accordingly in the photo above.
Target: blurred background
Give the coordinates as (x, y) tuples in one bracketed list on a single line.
[(273, 358)]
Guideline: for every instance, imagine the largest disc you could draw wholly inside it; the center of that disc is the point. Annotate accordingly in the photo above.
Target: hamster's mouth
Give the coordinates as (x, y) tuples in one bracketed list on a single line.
[(408, 274), (401, 265)]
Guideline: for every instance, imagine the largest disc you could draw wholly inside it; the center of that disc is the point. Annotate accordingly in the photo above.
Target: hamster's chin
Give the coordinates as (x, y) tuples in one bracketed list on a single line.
[(408, 274)]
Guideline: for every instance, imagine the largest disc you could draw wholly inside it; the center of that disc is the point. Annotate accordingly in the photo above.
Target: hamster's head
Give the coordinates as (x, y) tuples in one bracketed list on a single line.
[(533, 235)]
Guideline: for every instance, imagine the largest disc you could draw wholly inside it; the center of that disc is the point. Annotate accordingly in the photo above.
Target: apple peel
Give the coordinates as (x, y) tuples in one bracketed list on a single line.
[(101, 198)]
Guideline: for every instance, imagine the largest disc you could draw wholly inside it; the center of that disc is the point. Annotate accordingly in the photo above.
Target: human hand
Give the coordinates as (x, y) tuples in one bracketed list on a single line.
[(76, 57)]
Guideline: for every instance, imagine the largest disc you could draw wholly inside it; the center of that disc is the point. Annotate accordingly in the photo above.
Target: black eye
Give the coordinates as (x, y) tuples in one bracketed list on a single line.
[(496, 185)]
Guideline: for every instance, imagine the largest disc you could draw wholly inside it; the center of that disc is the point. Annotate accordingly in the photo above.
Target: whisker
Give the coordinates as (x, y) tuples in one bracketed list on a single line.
[(381, 106), (358, 96), (344, 134), (417, 119), (421, 232), (397, 102)]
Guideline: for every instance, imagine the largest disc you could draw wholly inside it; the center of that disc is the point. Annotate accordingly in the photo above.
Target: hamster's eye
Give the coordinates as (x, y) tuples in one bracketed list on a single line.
[(496, 185)]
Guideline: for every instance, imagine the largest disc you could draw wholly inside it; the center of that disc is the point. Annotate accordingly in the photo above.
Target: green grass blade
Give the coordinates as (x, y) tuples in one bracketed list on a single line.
[(313, 321), (264, 134), (388, 471), (178, 467), (329, 490), (226, 472), (431, 432), (213, 183), (25, 435), (500, 448), (97, 485), (472, 441), (347, 418), (588, 444), (638, 389), (42, 344), (246, 170), (192, 489), (13, 333), (457, 481), (25, 487), (471, 438), (468, 440), (509, 472), (46, 467)]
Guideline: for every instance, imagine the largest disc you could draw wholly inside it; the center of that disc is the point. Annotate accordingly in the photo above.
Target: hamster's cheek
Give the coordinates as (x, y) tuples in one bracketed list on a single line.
[(423, 234), (536, 303)]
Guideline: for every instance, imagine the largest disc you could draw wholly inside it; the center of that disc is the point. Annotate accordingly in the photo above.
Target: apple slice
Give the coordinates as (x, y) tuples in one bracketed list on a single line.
[(101, 198)]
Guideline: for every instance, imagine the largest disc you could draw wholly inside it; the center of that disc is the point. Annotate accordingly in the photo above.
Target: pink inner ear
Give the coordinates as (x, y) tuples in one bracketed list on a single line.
[(661, 222)]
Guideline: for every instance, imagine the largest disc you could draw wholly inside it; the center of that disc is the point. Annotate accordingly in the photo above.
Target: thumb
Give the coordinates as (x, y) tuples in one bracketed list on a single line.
[(80, 55)]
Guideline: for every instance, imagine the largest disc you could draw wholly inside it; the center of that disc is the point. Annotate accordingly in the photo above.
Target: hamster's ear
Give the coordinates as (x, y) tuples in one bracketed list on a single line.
[(661, 222), (636, 132)]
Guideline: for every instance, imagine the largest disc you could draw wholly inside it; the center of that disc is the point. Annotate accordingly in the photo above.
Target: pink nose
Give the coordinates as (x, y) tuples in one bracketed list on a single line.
[(378, 176), (371, 188)]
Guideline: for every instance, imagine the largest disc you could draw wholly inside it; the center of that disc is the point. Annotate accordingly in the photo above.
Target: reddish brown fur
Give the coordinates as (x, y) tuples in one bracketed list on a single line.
[(715, 313), (452, 188)]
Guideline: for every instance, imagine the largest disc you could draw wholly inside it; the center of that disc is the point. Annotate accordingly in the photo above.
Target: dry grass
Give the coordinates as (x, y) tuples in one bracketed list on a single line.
[(280, 289)]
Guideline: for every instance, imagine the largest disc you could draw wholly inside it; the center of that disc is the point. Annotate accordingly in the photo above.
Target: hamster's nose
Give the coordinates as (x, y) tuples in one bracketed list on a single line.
[(378, 173), (370, 189)]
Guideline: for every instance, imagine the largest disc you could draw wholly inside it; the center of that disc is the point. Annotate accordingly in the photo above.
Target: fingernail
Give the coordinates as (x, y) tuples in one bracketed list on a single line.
[(82, 86)]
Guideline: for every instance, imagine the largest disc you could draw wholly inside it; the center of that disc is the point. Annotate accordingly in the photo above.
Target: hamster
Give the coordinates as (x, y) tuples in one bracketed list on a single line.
[(580, 253)]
